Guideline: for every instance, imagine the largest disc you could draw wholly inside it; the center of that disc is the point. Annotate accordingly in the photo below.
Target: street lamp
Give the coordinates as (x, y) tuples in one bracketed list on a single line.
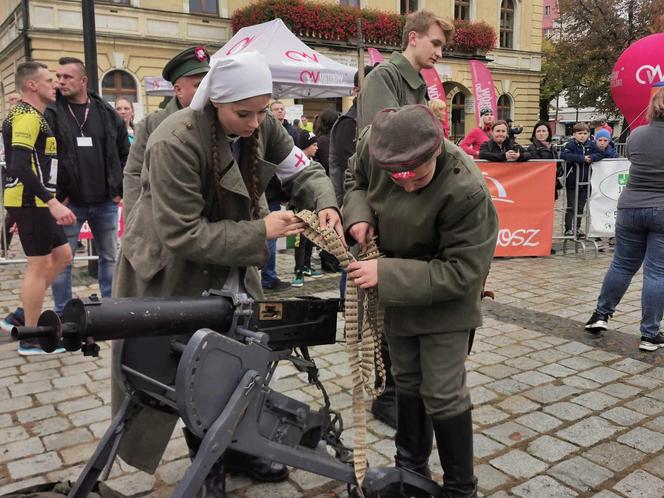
[(90, 43)]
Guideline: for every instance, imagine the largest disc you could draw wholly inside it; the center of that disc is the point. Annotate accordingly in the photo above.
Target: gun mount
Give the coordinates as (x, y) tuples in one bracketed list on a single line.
[(213, 370)]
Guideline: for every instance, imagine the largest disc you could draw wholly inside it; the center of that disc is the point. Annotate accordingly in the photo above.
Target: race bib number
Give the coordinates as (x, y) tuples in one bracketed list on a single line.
[(295, 162), (53, 177), (51, 148)]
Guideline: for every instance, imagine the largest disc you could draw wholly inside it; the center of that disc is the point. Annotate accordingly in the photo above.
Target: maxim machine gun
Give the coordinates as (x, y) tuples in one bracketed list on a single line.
[(214, 373)]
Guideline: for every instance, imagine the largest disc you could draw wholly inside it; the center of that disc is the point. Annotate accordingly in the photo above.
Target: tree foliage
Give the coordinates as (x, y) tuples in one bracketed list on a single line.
[(589, 38)]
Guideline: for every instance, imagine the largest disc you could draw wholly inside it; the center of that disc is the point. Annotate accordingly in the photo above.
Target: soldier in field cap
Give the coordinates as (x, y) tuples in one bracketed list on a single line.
[(426, 201), (185, 72)]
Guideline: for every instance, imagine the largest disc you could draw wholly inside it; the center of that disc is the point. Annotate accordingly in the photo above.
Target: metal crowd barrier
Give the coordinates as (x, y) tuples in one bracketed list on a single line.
[(5, 259)]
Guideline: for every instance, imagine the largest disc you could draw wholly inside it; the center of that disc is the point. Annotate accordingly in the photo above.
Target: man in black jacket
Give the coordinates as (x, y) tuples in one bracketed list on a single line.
[(92, 147), (275, 195)]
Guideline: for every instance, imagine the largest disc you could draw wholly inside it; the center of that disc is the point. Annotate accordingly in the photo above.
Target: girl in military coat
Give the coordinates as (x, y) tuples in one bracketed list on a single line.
[(201, 221)]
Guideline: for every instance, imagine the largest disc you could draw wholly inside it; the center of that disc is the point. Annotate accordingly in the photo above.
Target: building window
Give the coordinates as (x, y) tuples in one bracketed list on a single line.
[(462, 9), (117, 84), (547, 10), (458, 117), (408, 6), (507, 24), (204, 7), (504, 107), (350, 3), (548, 32)]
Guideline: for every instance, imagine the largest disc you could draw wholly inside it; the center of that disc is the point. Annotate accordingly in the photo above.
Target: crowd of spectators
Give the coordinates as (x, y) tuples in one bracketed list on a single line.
[(90, 133)]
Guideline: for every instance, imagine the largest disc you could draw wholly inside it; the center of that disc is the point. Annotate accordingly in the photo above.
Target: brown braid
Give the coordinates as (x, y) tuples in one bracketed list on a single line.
[(250, 152), (217, 168)]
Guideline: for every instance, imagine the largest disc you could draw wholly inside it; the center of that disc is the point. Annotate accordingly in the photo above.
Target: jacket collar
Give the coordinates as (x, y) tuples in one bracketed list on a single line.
[(231, 180), (409, 73)]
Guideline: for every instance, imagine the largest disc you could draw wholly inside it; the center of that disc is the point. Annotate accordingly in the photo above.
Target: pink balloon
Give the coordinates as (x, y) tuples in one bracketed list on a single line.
[(637, 69)]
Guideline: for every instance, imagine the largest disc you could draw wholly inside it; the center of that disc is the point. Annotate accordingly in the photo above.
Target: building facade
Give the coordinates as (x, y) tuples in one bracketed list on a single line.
[(549, 18), (135, 38)]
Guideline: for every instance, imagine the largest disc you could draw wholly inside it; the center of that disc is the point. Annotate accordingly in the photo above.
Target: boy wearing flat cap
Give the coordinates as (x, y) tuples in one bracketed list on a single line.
[(427, 203), (185, 72)]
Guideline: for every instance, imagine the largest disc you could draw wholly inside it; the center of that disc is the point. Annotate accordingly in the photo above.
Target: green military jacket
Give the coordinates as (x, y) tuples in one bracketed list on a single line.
[(182, 237), (131, 184), (438, 241), (394, 83)]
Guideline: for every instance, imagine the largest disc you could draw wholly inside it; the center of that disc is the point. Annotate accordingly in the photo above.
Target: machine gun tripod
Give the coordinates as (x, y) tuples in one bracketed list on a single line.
[(214, 373)]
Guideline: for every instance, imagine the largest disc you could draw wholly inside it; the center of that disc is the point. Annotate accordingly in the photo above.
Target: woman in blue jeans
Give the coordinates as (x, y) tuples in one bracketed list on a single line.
[(640, 232)]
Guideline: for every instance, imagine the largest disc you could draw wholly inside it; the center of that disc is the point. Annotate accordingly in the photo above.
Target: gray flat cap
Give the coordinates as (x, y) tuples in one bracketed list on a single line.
[(405, 138)]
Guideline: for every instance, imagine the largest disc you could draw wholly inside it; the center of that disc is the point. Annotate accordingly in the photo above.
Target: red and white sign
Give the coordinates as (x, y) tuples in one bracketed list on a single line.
[(523, 194), (483, 89), (86, 233), (637, 69), (436, 90)]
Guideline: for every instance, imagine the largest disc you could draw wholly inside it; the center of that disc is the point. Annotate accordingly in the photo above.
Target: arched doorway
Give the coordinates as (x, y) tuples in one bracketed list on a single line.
[(457, 100), (458, 117), (119, 83), (504, 107)]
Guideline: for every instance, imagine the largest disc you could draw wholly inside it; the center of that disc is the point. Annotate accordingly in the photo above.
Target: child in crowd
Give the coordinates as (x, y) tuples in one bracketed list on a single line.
[(604, 143), (303, 246), (579, 153)]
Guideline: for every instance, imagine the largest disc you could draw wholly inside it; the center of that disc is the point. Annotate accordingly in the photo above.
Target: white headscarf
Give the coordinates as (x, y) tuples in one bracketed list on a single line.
[(233, 78)]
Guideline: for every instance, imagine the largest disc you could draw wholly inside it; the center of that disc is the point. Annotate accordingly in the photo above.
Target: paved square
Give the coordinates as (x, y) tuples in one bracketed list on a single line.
[(558, 413)]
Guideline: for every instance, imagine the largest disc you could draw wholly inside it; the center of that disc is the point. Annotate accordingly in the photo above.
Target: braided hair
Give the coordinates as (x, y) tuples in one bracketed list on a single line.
[(248, 153)]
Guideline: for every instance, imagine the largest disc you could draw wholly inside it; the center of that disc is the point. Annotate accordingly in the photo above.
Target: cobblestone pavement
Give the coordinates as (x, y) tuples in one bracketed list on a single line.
[(557, 413)]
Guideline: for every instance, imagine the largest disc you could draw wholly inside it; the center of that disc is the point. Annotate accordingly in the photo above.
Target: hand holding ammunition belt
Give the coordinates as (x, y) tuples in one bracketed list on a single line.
[(362, 339)]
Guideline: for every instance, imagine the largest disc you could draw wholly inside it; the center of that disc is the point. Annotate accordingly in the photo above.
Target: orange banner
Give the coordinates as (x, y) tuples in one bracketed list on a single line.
[(523, 194)]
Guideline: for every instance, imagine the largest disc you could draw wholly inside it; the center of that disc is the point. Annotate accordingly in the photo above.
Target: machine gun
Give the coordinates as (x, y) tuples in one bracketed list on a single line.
[(214, 373)]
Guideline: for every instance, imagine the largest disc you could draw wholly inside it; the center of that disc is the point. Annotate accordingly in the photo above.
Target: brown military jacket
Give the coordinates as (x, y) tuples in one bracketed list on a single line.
[(438, 241), (394, 83), (131, 184)]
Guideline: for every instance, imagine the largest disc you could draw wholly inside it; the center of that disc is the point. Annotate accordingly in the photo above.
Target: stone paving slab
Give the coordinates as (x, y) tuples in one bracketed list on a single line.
[(557, 412)]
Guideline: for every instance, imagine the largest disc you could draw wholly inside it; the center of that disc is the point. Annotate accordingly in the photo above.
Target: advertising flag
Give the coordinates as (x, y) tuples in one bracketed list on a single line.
[(483, 89), (375, 57)]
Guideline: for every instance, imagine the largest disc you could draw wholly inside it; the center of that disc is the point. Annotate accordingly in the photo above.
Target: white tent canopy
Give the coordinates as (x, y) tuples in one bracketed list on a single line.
[(297, 70)]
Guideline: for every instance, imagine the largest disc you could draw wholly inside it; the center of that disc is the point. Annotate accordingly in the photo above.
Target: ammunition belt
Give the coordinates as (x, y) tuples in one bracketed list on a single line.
[(363, 337)]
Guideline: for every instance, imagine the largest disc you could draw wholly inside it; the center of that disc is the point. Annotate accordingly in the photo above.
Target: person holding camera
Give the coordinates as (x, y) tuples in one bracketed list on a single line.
[(500, 148)]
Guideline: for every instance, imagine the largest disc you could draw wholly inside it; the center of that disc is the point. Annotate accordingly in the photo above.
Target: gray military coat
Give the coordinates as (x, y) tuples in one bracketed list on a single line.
[(131, 184), (184, 234)]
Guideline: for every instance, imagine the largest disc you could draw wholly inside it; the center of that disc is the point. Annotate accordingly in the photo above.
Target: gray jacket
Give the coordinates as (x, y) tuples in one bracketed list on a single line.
[(394, 83)]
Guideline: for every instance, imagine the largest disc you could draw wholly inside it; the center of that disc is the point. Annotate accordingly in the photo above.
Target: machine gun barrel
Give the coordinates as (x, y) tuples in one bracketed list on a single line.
[(85, 321)]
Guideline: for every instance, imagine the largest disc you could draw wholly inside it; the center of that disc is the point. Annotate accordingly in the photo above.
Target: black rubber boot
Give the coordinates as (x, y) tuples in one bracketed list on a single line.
[(455, 448), (257, 468), (214, 485), (413, 440), (384, 408), (235, 462)]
